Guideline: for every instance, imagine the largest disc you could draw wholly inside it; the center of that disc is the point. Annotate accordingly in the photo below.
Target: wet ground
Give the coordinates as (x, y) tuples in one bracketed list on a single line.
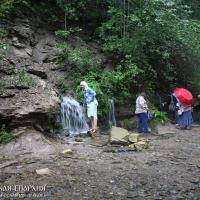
[(169, 169)]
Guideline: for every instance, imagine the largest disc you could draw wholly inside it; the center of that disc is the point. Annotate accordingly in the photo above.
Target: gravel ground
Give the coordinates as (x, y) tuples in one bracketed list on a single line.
[(169, 169)]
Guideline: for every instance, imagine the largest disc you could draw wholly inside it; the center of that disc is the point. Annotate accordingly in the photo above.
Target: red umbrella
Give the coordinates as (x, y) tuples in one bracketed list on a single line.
[(184, 96)]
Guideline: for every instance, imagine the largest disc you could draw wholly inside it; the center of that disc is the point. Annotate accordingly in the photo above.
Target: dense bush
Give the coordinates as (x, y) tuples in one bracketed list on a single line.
[(7, 6), (158, 118), (155, 34), (83, 59)]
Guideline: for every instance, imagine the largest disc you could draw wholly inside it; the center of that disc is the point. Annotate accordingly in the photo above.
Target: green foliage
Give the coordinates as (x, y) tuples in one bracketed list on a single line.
[(132, 29), (119, 83), (4, 46), (63, 58), (62, 34), (87, 69), (83, 59), (62, 85), (189, 35), (8, 5), (5, 136), (111, 84), (107, 82), (195, 83), (194, 6), (91, 79), (82, 9), (158, 118), (127, 77), (23, 78), (70, 7), (151, 43), (5, 7), (3, 32), (103, 84), (129, 124)]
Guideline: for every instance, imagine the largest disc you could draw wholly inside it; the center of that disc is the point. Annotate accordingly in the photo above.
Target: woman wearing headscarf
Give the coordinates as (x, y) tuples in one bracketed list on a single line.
[(91, 102), (141, 112), (183, 114)]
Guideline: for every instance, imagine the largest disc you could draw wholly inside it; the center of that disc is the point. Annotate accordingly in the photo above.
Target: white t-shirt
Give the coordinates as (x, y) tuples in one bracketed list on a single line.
[(141, 105)]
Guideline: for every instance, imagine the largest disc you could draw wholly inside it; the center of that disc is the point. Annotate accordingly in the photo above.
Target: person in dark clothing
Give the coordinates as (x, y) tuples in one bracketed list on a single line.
[(172, 107)]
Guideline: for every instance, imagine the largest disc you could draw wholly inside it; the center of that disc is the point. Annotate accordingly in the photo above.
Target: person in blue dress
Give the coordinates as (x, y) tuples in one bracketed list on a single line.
[(184, 119), (184, 115), (91, 102)]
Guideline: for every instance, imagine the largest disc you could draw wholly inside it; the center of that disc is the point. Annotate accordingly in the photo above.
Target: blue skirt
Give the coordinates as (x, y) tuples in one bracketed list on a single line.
[(185, 119)]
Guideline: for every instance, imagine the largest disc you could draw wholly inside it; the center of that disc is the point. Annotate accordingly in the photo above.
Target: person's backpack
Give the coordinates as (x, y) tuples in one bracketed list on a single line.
[(172, 106)]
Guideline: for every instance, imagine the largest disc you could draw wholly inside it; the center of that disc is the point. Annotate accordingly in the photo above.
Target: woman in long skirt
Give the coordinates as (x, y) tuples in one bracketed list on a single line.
[(184, 119)]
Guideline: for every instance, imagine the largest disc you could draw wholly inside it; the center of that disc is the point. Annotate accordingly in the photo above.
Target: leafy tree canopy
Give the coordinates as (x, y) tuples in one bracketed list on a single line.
[(153, 44)]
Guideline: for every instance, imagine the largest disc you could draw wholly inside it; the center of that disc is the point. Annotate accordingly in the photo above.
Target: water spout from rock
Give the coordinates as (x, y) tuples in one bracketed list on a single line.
[(112, 120), (72, 117)]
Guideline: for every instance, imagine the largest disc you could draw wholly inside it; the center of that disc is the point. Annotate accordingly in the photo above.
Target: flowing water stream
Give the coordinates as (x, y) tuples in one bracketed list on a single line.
[(111, 117), (73, 118)]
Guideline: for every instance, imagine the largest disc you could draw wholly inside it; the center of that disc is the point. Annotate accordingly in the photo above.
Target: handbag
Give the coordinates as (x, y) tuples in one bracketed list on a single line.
[(179, 112), (150, 116)]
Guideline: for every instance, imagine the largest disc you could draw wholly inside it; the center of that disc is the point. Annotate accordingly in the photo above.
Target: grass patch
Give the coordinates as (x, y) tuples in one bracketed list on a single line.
[(23, 78), (3, 33), (5, 136)]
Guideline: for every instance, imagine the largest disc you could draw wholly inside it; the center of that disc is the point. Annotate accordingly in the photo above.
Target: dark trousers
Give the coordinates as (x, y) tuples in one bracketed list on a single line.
[(142, 122)]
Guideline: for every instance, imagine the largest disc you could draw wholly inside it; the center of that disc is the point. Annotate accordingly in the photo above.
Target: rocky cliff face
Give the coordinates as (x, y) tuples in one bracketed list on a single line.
[(30, 76), (28, 96)]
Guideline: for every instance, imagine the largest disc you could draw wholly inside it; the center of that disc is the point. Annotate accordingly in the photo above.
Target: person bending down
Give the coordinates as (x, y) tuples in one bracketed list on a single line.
[(91, 102)]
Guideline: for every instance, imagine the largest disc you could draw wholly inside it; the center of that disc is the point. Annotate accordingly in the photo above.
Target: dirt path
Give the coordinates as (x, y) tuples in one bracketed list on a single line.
[(169, 169)]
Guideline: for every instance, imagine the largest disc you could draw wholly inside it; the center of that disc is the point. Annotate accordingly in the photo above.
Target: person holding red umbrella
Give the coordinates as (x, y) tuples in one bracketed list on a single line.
[(185, 101)]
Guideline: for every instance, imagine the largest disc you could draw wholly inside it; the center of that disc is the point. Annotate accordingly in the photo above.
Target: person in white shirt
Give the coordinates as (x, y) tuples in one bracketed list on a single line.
[(141, 112)]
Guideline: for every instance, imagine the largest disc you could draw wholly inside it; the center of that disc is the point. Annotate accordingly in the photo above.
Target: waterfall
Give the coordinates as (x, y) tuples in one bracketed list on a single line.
[(112, 120), (72, 117)]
